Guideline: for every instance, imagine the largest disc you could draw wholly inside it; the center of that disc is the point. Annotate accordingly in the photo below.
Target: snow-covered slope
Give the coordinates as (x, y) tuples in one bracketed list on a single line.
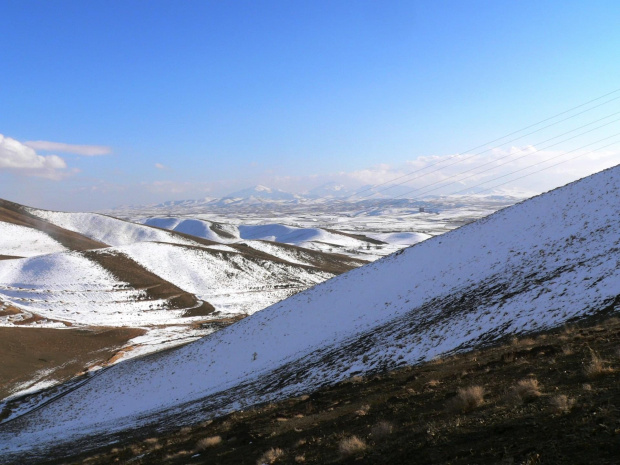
[(22, 241), (87, 289), (195, 227), (532, 266), (107, 229), (70, 287), (232, 282)]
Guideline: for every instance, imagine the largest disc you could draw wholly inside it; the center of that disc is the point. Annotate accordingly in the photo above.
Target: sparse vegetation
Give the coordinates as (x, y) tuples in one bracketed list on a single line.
[(351, 446), (211, 441), (525, 390), (382, 429), (271, 456), (597, 366), (467, 399), (561, 403)]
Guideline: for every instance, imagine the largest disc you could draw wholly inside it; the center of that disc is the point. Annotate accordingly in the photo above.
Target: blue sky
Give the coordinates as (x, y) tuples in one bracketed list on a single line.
[(199, 98)]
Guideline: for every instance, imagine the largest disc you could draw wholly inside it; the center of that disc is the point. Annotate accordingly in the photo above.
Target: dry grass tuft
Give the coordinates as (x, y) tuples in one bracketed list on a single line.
[(382, 429), (561, 403), (597, 366), (467, 399), (526, 390), (363, 410), (270, 456), (352, 446), (211, 441), (178, 455), (567, 350)]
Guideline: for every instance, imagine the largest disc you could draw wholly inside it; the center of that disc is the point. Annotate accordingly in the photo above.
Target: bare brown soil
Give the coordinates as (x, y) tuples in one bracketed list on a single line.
[(6, 310), (15, 213), (66, 352), (407, 416)]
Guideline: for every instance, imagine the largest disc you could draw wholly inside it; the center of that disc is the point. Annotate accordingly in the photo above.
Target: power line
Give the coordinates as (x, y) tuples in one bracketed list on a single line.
[(491, 148), (537, 171), (493, 162), (490, 142)]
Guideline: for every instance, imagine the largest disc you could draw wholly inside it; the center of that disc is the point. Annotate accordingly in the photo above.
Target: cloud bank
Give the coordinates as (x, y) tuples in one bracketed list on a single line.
[(20, 159), (84, 150), (512, 170)]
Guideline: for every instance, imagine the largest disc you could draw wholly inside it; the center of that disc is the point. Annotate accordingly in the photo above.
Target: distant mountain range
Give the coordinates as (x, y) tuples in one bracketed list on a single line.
[(332, 194)]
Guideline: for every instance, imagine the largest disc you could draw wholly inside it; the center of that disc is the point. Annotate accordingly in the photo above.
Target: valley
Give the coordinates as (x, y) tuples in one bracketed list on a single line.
[(525, 270)]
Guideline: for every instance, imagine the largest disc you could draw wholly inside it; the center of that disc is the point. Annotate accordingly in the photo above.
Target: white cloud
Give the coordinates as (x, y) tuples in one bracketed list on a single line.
[(512, 170), (21, 159), (159, 166), (84, 150)]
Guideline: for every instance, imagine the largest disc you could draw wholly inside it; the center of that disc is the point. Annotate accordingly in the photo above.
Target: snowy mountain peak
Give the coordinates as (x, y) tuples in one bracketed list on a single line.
[(262, 192)]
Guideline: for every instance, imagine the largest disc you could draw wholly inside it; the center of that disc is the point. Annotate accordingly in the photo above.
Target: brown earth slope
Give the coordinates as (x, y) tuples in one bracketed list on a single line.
[(64, 352)]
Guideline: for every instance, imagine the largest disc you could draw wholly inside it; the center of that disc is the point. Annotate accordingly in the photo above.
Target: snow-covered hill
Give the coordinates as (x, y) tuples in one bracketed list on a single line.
[(316, 239), (539, 264), (22, 241), (108, 229)]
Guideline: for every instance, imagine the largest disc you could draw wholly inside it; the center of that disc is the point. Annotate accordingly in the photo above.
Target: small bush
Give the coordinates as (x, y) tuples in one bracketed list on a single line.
[(363, 410), (561, 403), (567, 350), (597, 366), (526, 390), (177, 456), (270, 456), (208, 442), (382, 429), (467, 399), (352, 446), (433, 383)]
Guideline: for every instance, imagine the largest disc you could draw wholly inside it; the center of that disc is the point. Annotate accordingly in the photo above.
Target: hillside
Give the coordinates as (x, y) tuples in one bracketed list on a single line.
[(154, 289), (536, 265), (537, 392), (24, 234)]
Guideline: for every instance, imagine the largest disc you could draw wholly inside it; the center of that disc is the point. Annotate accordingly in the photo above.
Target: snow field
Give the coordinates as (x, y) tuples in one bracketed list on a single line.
[(22, 241)]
